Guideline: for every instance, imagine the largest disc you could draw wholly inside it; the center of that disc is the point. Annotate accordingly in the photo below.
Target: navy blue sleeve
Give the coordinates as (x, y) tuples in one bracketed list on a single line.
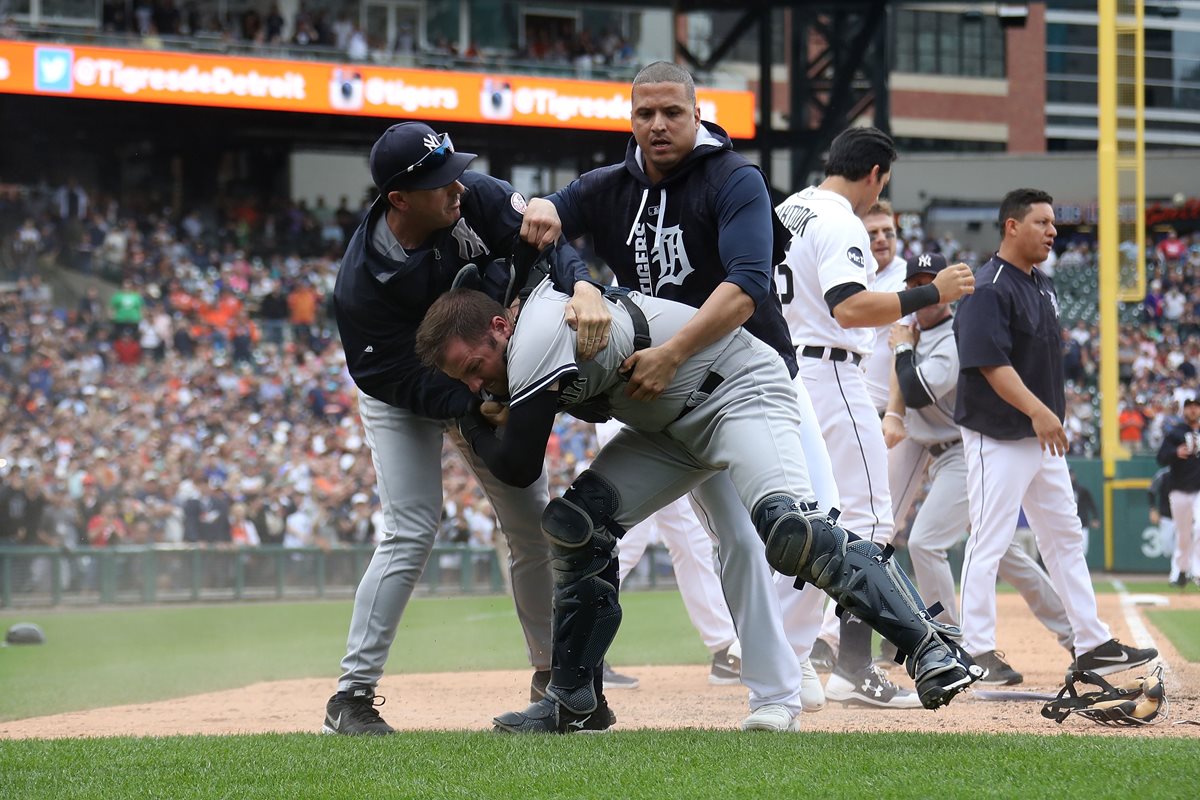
[(744, 233), (517, 458), (569, 201), (1170, 443), (984, 338), (498, 220), (568, 267), (911, 387), (422, 390)]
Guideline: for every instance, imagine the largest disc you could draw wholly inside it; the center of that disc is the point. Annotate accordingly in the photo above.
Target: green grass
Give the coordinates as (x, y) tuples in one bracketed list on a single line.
[(98, 658), (93, 659), (1182, 628), (634, 764)]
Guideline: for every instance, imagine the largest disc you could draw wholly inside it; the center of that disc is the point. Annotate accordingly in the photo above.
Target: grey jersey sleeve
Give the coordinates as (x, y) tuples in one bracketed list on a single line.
[(938, 370), (541, 350)]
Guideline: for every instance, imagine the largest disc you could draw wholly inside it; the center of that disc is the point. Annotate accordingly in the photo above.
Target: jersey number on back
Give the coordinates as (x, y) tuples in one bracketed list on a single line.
[(785, 283)]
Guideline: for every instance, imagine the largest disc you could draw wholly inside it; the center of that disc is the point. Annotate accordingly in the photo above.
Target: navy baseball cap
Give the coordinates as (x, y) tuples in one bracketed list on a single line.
[(410, 155), (926, 263)]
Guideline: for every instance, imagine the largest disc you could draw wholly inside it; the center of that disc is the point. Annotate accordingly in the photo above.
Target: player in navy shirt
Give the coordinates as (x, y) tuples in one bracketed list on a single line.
[(1010, 407)]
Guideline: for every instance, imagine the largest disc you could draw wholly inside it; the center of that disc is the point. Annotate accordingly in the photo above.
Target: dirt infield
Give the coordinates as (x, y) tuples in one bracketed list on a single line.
[(669, 697)]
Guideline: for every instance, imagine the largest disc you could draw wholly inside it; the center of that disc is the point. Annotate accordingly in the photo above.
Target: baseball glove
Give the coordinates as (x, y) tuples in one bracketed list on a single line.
[(1141, 701)]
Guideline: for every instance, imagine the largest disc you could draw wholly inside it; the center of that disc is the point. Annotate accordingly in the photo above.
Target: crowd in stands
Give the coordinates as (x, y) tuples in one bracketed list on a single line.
[(206, 401), (159, 24)]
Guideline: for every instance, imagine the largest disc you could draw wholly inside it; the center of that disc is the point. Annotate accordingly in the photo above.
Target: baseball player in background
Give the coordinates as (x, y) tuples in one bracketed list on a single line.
[(730, 407), (922, 441), (880, 222), (833, 313), (1010, 407), (890, 272), (686, 218), (431, 219), (1180, 451)]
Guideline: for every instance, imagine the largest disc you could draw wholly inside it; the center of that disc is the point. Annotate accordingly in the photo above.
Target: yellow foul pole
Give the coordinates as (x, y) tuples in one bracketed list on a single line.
[(1108, 252), (1119, 43)]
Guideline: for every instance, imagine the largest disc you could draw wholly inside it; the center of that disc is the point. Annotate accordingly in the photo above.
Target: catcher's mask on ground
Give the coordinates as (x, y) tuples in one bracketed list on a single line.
[(1141, 701)]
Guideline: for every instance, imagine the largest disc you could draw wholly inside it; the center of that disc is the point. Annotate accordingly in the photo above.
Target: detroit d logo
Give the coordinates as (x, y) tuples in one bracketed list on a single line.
[(671, 257)]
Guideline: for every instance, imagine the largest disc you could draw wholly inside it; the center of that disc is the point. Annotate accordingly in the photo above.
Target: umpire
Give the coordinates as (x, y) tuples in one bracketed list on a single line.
[(432, 218)]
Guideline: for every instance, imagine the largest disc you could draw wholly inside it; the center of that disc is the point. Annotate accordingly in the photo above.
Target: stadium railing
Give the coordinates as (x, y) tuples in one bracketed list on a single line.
[(50, 576), (144, 574)]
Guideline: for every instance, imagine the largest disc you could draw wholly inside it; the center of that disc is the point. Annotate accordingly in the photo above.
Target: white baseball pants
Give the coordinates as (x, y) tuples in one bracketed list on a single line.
[(1003, 477)]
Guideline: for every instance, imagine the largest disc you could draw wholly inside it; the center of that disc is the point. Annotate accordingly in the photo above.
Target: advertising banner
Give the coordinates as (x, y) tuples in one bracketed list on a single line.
[(157, 76)]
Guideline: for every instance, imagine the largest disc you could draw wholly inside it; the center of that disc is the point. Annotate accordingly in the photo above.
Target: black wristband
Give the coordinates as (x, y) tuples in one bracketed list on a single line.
[(920, 297)]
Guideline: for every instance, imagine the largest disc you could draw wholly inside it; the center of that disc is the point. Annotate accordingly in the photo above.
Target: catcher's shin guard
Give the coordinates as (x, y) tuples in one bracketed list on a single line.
[(802, 541), (587, 612)]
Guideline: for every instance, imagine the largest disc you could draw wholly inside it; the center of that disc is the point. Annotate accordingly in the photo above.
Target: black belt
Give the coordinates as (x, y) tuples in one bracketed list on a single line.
[(709, 385), (832, 353), (936, 450)]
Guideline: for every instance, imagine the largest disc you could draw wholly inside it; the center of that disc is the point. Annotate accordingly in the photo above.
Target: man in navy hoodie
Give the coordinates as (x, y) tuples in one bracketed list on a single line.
[(686, 218), (432, 221)]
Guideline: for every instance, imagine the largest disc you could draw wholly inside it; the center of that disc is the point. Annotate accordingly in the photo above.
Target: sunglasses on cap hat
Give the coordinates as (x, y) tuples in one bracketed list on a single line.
[(432, 160)]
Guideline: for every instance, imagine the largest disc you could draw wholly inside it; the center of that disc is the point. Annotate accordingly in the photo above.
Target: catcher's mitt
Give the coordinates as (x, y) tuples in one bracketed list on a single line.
[(1142, 701)]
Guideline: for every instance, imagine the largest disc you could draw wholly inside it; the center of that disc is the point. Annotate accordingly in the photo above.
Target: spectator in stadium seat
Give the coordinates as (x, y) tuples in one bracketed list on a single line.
[(125, 308), (302, 303)]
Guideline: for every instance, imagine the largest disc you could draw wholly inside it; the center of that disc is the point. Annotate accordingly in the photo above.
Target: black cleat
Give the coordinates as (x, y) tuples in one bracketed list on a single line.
[(941, 670), (547, 716), (823, 657), (998, 673), (538, 684), (726, 669), (617, 680), (1112, 656), (352, 713)]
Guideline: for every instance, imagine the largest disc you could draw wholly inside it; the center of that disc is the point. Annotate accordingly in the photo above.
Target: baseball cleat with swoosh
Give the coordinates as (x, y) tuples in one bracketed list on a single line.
[(1112, 656)]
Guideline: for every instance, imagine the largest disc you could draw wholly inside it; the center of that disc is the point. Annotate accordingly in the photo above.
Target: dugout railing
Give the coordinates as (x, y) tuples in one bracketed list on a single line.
[(48, 576), (144, 574)]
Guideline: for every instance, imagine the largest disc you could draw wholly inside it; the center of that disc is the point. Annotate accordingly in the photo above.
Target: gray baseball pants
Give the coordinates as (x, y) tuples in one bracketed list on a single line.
[(738, 446), (407, 452)]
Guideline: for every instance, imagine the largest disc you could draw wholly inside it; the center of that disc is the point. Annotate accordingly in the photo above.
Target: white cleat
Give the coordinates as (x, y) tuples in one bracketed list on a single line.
[(812, 694), (772, 717)]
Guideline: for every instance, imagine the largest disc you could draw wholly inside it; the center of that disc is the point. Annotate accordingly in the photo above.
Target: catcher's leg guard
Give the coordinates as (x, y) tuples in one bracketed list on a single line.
[(803, 542), (587, 613)]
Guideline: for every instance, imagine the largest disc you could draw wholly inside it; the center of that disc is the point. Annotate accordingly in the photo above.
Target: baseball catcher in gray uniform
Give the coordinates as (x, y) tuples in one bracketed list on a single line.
[(731, 406)]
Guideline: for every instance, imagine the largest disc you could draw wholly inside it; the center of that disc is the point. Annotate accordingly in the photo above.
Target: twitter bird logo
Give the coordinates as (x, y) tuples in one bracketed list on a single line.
[(52, 69)]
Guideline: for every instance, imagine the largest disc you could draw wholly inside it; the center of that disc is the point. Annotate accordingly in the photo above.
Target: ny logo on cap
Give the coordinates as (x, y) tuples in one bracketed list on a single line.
[(431, 141), (925, 260)]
